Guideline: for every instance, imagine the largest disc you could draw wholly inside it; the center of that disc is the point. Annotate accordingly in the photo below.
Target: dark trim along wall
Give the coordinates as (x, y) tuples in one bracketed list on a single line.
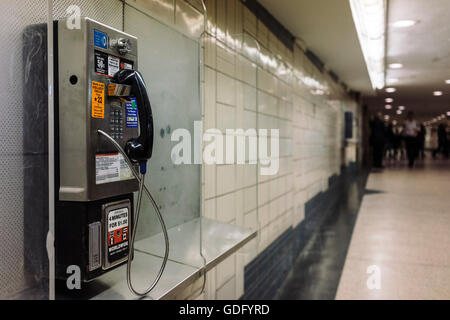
[(265, 274), (288, 39), (271, 23)]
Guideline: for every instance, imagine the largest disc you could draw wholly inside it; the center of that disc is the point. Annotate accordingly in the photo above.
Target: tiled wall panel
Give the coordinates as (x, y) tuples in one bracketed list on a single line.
[(255, 89)]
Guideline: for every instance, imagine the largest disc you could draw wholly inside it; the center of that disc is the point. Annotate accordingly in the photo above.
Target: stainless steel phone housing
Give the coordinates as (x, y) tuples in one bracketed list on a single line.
[(79, 142)]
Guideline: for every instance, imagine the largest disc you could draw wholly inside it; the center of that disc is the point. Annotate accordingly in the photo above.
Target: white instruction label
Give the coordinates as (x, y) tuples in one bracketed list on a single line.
[(113, 65), (117, 231), (118, 219), (111, 168)]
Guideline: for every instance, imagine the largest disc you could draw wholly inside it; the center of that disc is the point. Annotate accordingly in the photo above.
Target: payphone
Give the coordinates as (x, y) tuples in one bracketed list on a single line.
[(103, 139)]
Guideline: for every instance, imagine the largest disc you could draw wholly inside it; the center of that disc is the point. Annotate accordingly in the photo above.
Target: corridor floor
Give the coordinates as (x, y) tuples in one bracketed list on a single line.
[(316, 271), (400, 248)]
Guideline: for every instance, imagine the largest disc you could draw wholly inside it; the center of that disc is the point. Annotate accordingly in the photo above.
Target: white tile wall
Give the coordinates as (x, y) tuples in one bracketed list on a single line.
[(160, 9), (246, 88), (226, 207), (226, 270), (188, 19), (227, 291)]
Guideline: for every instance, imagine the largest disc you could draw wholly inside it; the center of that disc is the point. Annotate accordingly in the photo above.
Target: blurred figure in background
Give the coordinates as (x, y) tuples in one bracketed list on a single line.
[(442, 141), (410, 133), (397, 141), (421, 141), (377, 140), (389, 148)]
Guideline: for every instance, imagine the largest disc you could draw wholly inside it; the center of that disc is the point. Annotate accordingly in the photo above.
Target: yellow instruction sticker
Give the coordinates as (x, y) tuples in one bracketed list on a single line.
[(98, 100)]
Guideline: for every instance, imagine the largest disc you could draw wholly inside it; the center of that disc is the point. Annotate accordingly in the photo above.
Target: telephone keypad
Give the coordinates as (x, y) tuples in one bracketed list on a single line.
[(116, 123)]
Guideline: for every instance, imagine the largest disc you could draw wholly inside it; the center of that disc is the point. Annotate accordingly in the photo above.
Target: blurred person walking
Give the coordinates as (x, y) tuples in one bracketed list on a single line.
[(389, 148), (397, 142), (378, 140), (410, 133), (442, 141), (421, 141)]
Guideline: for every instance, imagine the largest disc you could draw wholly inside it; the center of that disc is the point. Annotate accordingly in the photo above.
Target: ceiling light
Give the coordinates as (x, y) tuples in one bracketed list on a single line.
[(437, 93), (369, 17), (401, 108), (390, 90), (388, 107), (395, 66), (392, 80), (399, 112), (448, 113), (389, 100), (386, 117), (447, 81), (404, 23)]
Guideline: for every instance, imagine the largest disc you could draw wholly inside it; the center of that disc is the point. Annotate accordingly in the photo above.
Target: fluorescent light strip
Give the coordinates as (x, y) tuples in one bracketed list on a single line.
[(369, 17), (392, 80), (395, 66), (404, 23)]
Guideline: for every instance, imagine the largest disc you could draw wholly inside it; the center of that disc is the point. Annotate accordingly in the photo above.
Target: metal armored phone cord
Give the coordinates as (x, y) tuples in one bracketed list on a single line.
[(142, 187)]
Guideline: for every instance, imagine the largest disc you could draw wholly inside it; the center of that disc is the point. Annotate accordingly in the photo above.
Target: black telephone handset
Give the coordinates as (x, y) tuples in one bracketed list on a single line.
[(139, 149)]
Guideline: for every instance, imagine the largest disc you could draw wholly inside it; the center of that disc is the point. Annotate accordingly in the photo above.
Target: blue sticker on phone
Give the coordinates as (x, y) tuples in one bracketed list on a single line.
[(132, 113), (100, 39)]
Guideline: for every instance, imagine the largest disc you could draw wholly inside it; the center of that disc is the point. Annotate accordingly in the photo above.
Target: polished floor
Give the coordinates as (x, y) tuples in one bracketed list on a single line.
[(317, 270), (400, 248)]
